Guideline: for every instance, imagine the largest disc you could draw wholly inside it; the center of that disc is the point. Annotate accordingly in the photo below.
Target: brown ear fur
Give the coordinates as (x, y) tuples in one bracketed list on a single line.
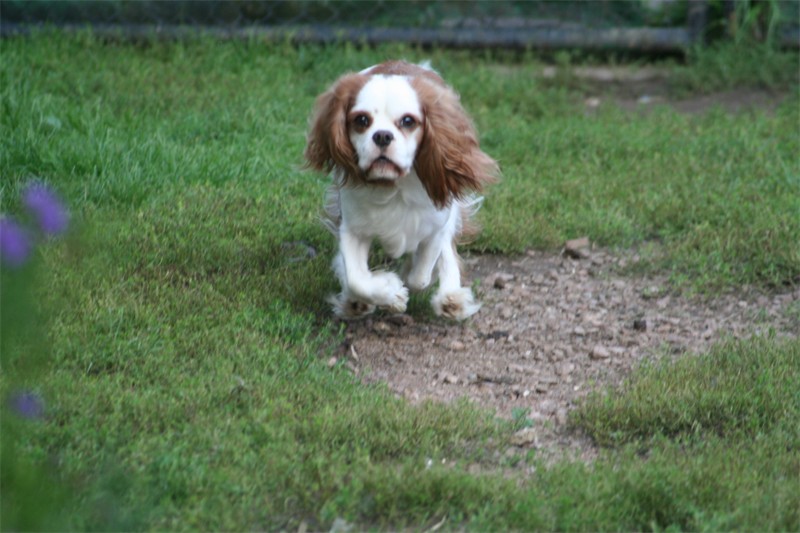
[(449, 161), (328, 144)]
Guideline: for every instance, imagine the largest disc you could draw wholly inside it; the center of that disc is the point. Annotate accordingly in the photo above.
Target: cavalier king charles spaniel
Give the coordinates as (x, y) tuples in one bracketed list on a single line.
[(406, 167)]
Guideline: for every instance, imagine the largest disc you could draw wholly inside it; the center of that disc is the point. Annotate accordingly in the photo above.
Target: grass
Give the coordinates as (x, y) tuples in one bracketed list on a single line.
[(179, 334), (739, 388), (727, 418), (726, 65)]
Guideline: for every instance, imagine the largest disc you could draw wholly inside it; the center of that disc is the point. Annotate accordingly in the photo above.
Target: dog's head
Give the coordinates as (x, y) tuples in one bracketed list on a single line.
[(380, 124)]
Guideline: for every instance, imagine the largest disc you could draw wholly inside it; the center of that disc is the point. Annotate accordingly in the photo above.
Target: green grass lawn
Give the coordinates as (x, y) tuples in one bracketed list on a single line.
[(180, 346)]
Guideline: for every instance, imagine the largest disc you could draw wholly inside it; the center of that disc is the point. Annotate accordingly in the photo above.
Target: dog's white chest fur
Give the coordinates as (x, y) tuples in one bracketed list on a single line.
[(400, 216)]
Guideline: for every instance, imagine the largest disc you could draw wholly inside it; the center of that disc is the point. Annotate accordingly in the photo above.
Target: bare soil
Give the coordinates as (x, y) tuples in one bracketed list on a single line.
[(645, 88), (556, 326), (552, 329)]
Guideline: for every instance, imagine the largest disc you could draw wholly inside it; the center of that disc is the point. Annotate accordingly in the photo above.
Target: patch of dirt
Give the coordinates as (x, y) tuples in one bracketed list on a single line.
[(552, 328), (643, 89)]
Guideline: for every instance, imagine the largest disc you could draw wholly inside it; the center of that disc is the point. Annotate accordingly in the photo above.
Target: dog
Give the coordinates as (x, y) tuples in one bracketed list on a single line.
[(406, 170)]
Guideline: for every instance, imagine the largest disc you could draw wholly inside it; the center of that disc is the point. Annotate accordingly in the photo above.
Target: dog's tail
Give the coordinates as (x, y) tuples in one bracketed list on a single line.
[(331, 216), (469, 227)]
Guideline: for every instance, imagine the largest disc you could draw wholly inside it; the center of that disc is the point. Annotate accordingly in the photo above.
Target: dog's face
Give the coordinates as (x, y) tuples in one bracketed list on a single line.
[(383, 123), (385, 127)]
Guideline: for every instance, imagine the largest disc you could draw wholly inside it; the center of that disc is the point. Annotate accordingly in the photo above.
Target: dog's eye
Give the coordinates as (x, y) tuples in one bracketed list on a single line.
[(408, 121), (361, 121)]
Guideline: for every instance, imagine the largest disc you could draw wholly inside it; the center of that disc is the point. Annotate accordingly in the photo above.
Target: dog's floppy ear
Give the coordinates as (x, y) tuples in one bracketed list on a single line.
[(328, 144), (449, 161)]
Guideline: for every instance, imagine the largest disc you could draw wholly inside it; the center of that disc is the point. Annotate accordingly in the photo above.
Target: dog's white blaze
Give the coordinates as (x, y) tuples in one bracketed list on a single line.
[(387, 99)]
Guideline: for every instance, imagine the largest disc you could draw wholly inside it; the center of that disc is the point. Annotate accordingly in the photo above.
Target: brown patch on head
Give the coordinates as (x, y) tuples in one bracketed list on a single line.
[(328, 144), (449, 161)]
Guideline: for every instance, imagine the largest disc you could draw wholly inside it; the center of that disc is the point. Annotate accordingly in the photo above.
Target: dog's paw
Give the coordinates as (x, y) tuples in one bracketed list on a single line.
[(348, 308), (458, 305), (389, 292)]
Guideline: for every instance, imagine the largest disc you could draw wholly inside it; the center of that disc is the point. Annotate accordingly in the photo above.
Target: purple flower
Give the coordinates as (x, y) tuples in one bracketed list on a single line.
[(27, 405), (14, 245), (47, 207)]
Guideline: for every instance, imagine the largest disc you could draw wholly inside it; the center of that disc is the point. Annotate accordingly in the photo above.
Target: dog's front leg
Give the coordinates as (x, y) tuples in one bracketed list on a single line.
[(419, 275), (362, 289)]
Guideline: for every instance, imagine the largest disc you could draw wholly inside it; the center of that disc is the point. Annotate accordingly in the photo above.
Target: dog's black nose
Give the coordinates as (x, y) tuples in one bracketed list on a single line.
[(383, 138)]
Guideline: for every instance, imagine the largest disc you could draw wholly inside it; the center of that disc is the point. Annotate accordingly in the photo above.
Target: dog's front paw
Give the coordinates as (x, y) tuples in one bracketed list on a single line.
[(348, 308), (459, 304), (389, 292)]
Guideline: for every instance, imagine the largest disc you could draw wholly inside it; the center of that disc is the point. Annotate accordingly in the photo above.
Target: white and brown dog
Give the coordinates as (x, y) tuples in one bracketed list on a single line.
[(405, 163)]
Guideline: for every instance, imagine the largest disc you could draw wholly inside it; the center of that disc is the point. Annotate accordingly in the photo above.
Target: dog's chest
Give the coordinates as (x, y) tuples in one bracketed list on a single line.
[(400, 217)]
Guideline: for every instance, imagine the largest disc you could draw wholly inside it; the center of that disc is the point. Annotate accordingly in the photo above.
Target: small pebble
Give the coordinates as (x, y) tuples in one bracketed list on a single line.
[(457, 346), (599, 352)]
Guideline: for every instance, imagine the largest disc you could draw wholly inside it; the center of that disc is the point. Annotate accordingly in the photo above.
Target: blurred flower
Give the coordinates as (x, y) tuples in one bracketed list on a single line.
[(27, 405), (47, 207), (14, 245)]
